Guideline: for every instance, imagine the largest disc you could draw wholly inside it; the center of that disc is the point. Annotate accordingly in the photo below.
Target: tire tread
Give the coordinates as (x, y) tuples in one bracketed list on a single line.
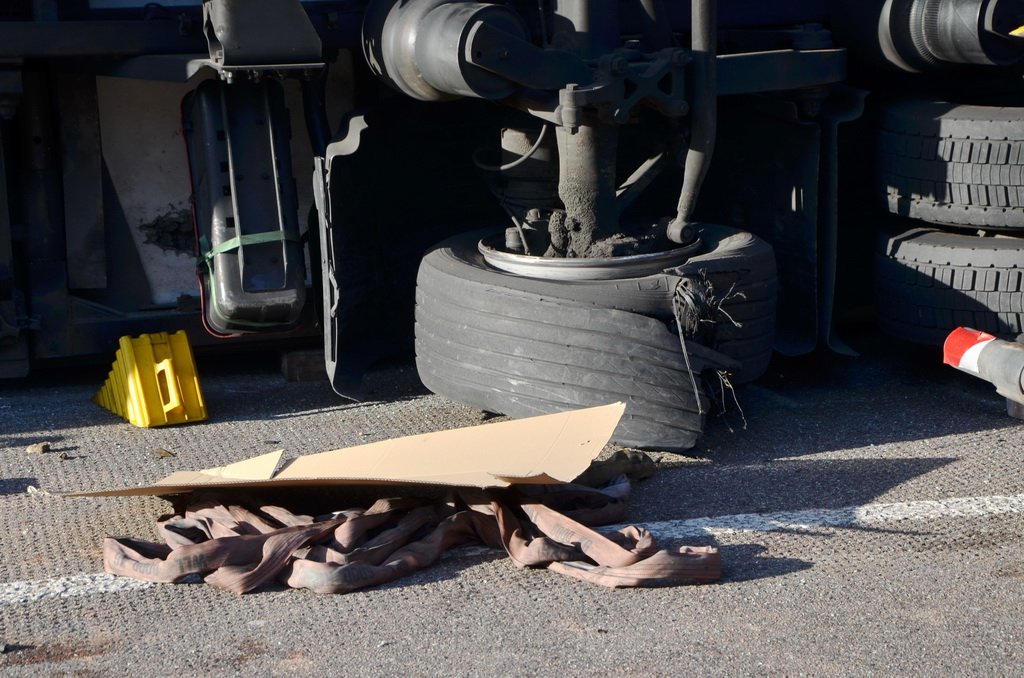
[(955, 165), (930, 282)]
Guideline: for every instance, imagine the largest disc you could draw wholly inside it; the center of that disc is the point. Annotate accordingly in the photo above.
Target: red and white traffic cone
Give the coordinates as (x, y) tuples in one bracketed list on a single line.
[(996, 361)]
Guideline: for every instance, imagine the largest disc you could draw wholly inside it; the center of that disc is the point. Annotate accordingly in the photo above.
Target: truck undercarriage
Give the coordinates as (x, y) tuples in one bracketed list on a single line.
[(635, 200)]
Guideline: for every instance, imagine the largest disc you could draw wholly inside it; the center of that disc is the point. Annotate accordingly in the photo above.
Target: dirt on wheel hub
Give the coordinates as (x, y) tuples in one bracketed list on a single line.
[(541, 246), (646, 257)]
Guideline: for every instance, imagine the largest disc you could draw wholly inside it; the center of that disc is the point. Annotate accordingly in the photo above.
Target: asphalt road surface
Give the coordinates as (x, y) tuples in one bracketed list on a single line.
[(870, 518)]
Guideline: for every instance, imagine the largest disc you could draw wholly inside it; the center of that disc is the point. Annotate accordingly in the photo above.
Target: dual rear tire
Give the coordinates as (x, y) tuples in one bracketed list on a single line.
[(960, 168)]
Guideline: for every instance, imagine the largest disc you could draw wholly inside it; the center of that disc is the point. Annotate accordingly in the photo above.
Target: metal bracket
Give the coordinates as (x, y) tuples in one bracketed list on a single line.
[(625, 80), (784, 69), (10, 332), (228, 73), (522, 62), (345, 375), (258, 36)]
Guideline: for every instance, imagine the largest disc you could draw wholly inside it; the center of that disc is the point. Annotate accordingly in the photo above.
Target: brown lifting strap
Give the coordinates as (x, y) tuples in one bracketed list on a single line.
[(240, 546)]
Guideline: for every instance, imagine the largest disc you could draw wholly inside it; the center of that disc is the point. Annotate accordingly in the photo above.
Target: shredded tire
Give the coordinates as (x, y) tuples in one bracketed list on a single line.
[(520, 346)]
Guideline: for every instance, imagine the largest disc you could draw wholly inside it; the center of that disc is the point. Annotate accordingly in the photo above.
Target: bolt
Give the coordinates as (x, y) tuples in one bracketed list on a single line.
[(679, 232), (513, 239), (619, 65), (680, 57), (678, 108)]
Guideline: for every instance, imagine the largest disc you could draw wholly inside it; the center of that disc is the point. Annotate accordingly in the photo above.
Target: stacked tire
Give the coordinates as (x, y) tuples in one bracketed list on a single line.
[(960, 170), (523, 346)]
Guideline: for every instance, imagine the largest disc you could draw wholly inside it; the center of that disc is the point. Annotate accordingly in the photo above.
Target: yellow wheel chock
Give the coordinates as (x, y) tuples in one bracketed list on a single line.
[(153, 381)]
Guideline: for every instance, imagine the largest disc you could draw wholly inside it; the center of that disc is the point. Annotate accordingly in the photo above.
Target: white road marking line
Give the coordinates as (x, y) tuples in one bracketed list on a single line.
[(67, 587), (851, 516), (668, 530)]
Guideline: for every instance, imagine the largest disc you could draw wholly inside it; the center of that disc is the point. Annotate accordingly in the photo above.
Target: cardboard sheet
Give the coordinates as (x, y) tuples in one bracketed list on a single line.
[(548, 449)]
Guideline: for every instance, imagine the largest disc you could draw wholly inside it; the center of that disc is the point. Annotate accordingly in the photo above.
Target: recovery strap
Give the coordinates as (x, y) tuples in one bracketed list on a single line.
[(238, 546)]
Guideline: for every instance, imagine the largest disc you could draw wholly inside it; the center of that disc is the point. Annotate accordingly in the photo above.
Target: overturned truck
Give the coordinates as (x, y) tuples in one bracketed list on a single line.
[(559, 203)]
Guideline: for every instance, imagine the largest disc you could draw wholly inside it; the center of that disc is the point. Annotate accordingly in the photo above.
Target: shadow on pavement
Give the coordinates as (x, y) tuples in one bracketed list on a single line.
[(893, 393), (16, 485), (748, 562), (243, 389), (791, 485)]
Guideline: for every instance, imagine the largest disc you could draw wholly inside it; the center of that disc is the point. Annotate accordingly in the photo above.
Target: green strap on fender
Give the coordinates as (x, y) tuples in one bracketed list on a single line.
[(235, 243), (207, 253)]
